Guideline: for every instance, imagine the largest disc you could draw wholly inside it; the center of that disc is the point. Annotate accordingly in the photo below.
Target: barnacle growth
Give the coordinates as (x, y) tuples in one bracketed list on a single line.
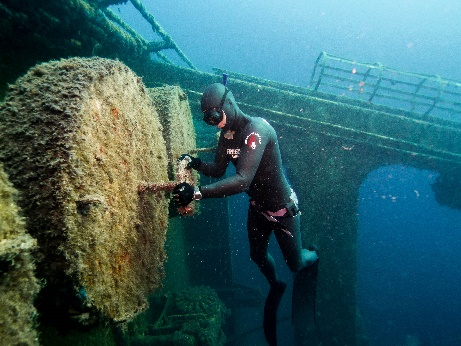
[(178, 130), (18, 285), (78, 136)]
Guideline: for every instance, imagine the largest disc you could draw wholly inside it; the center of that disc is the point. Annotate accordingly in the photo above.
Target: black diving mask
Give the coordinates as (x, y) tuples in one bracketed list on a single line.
[(213, 116)]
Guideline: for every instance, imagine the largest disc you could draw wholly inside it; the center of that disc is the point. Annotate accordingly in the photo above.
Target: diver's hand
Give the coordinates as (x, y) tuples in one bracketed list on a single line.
[(183, 194), (194, 162)]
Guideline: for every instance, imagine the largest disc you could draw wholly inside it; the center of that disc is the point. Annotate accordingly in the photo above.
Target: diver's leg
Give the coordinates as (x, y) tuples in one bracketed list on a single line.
[(305, 264), (259, 233), (295, 256)]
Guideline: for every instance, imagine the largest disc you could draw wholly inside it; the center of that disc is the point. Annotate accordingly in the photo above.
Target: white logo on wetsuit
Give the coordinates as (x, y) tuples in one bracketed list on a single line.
[(233, 152), (253, 139)]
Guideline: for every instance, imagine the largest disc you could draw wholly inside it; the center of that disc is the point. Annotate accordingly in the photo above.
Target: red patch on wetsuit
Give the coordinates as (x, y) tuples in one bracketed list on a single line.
[(253, 139)]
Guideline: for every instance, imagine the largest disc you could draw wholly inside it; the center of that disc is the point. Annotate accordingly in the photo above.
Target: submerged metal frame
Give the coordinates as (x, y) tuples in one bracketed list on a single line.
[(155, 47), (336, 73)]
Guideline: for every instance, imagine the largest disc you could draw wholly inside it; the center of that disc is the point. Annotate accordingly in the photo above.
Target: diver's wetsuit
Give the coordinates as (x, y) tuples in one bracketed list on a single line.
[(255, 152)]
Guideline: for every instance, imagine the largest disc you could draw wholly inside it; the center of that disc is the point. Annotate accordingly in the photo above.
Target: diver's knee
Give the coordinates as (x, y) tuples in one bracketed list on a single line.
[(294, 262), (257, 256)]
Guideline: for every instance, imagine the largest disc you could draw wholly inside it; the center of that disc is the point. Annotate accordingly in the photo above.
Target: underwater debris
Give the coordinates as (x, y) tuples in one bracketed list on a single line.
[(78, 168), (194, 316)]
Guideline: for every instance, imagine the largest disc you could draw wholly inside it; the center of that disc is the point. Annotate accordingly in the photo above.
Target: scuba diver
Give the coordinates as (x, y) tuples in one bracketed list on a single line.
[(250, 143)]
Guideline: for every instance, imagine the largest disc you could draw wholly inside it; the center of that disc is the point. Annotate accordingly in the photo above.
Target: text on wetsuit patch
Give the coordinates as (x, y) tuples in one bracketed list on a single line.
[(233, 152)]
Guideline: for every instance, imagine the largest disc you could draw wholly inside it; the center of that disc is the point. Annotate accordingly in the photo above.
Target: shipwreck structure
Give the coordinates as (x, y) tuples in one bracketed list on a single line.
[(330, 142)]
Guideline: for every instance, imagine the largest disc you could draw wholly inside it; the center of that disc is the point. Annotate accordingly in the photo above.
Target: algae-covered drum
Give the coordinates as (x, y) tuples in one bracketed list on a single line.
[(77, 138)]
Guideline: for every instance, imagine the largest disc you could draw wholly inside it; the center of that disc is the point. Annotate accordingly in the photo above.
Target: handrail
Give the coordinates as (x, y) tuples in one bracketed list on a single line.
[(381, 85)]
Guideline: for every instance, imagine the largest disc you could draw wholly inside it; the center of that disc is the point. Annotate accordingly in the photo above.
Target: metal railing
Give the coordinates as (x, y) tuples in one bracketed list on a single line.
[(381, 85)]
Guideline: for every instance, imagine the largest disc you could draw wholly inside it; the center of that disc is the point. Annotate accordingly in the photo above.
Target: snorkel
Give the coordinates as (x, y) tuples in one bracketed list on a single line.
[(224, 79)]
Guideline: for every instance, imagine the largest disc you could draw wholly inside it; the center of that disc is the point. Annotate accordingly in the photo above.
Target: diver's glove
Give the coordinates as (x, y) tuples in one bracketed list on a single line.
[(194, 162), (183, 194)]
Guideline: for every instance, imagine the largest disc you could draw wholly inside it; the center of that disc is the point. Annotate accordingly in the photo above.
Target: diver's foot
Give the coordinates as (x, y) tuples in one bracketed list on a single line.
[(309, 256)]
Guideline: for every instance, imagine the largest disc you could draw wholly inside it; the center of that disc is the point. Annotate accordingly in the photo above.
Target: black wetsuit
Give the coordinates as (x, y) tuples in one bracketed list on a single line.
[(255, 152)]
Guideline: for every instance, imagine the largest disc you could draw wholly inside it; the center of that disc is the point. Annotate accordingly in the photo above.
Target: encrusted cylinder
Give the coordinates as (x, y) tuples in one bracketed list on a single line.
[(178, 130), (18, 285), (77, 138)]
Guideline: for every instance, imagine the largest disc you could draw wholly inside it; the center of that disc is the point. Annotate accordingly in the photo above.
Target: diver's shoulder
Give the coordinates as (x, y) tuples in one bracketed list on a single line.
[(260, 122)]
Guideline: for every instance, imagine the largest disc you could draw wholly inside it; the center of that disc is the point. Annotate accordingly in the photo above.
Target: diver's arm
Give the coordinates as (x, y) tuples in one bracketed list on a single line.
[(217, 168), (247, 166)]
